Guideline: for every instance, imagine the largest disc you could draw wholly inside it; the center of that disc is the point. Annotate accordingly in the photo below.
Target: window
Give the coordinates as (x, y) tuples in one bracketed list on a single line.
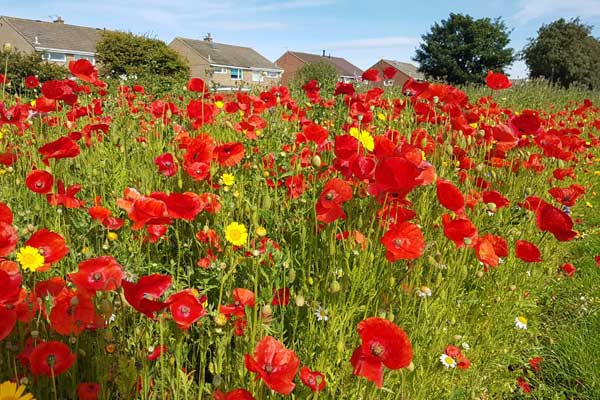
[(219, 70), (271, 74), (236, 74), (54, 56), (81, 57), (388, 82), (256, 76)]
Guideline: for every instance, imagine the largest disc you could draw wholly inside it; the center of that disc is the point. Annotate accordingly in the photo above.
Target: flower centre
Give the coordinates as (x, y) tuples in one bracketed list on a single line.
[(97, 277), (268, 368), (185, 310), (377, 349)]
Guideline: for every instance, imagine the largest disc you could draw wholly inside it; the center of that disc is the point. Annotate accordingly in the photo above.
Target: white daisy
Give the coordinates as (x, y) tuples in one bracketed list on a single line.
[(322, 314), (447, 361), (521, 322)]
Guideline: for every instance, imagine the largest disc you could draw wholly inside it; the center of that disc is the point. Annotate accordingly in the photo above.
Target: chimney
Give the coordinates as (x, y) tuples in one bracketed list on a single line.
[(323, 53), (58, 20)]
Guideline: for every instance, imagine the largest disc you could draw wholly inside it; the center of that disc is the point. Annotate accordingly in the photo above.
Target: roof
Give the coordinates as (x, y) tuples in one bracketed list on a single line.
[(229, 55), (407, 68), (56, 35), (343, 67)]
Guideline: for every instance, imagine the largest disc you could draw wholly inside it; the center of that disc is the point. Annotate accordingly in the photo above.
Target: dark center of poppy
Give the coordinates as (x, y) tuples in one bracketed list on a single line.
[(377, 349), (268, 368), (185, 310), (398, 242), (329, 196), (168, 164), (51, 360), (39, 184), (97, 276)]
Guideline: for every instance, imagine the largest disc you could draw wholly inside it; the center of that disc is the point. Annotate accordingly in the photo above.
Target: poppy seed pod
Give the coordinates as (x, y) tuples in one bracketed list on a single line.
[(7, 47)]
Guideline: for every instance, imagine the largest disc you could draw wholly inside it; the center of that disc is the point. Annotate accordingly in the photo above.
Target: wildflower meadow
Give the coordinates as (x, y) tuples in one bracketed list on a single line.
[(431, 242)]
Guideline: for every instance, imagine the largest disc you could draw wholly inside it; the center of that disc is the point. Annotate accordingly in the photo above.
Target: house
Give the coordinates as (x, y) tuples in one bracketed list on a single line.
[(226, 66), (292, 61), (58, 42), (404, 71)]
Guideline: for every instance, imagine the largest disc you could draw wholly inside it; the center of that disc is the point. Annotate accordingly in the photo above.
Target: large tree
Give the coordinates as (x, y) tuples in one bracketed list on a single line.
[(123, 53), (564, 52), (461, 49)]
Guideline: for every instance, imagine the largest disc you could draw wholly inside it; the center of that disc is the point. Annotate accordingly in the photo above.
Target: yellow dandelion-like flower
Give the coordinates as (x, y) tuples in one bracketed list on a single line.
[(364, 137), (381, 117), (521, 322), (261, 231), (228, 179), (219, 104), (588, 204), (30, 258), (10, 391), (112, 236), (236, 234)]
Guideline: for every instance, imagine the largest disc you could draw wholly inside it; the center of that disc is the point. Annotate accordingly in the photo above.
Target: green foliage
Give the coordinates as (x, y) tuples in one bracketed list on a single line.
[(564, 52), (321, 71), (123, 53), (462, 49), (18, 66)]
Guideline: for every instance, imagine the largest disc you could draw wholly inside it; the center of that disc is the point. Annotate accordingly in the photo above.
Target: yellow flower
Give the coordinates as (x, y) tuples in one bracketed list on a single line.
[(363, 137), (588, 204), (261, 231), (521, 322), (10, 391), (381, 116), (30, 258), (228, 179), (219, 104), (236, 234), (112, 236)]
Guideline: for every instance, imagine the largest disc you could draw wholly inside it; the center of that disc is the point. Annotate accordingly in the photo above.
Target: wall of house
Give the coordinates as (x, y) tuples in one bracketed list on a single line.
[(398, 81), (224, 79), (290, 64), (9, 35), (198, 65)]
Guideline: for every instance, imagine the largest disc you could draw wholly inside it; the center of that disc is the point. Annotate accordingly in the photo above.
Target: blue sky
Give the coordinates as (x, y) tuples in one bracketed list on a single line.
[(361, 31)]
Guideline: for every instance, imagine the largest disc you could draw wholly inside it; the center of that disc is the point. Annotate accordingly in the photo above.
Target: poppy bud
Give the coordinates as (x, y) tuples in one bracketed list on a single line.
[(468, 241), (7, 47), (341, 346), (266, 311), (479, 274), (220, 319), (316, 161), (491, 207), (335, 287), (291, 275), (299, 300)]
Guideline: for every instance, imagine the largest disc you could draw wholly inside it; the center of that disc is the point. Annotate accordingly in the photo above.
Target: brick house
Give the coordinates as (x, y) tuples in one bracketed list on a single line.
[(404, 71), (226, 66), (292, 61), (58, 42)]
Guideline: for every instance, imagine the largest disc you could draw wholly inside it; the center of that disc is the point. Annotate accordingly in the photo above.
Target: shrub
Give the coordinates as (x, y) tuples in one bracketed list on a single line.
[(18, 66), (322, 72)]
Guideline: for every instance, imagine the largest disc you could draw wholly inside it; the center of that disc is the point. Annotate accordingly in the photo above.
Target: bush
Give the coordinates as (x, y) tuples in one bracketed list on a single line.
[(18, 66), (123, 53), (322, 72)]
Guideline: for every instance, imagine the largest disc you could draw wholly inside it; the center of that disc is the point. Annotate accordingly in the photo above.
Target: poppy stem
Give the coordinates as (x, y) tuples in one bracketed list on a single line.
[(53, 383)]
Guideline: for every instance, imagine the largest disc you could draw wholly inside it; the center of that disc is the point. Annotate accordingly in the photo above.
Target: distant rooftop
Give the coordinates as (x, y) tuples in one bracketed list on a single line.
[(407, 68), (343, 66)]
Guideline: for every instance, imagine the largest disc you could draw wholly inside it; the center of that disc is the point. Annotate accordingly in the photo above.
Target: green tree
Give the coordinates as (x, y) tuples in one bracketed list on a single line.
[(564, 52), (21, 65), (462, 49), (123, 53), (321, 71)]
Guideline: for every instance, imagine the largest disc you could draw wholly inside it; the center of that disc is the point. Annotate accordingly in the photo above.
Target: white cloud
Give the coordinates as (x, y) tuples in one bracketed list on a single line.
[(238, 26), (373, 43), (531, 10)]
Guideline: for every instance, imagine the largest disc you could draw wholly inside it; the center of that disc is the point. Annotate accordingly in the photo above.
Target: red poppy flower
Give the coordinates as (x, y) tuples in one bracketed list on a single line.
[(567, 196), (180, 205), (84, 70), (65, 196), (527, 251), (8, 316), (229, 154), (31, 82), (6, 214), (242, 298), (334, 194), (397, 176), (344, 88), (196, 85), (450, 196), (382, 343), (497, 80), (315, 380), (523, 385), (186, 308), (157, 352), (568, 269), (10, 284), (51, 359), (143, 210), (371, 75), (597, 259), (72, 312), (459, 229), (550, 219), (8, 239), (534, 363), (496, 198), (295, 186), (389, 72), (88, 391), (51, 245), (274, 364), (142, 295), (281, 297), (236, 394), (98, 274), (39, 181), (403, 241), (63, 147), (166, 164), (315, 133)]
